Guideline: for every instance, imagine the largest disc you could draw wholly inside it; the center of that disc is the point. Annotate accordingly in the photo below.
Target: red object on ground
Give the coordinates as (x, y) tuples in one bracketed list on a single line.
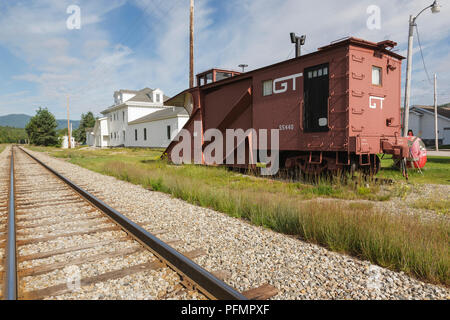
[(417, 152)]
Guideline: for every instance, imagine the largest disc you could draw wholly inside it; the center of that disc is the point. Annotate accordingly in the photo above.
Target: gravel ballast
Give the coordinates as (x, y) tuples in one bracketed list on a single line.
[(251, 255), (68, 249)]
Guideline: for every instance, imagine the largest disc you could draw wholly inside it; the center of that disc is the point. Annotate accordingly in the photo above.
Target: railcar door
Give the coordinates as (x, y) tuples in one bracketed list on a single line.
[(316, 93)]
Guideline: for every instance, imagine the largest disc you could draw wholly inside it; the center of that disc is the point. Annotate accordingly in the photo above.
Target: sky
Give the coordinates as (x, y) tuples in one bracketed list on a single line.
[(133, 44)]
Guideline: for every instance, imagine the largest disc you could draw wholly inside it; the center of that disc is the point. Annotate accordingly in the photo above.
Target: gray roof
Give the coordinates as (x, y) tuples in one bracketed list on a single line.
[(443, 111), (126, 91), (166, 113), (144, 95)]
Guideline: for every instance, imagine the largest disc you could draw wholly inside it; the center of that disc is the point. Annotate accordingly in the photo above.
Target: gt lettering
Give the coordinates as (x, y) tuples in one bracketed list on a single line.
[(284, 83)]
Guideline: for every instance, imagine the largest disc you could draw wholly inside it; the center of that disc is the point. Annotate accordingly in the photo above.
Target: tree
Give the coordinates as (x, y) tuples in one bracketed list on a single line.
[(12, 135), (87, 121), (41, 129)]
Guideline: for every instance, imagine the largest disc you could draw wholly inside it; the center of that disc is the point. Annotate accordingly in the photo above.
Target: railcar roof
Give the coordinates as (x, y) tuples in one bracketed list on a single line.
[(382, 46)]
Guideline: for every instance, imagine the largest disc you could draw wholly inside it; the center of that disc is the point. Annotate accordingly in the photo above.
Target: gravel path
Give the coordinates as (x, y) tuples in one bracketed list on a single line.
[(252, 256)]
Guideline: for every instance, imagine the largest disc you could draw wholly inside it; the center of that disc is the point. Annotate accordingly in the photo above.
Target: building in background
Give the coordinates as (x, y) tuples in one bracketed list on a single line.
[(157, 129), (101, 133), (138, 119), (65, 142), (90, 137), (421, 122)]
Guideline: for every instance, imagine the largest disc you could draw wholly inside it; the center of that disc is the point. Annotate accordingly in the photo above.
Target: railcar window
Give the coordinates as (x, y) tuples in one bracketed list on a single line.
[(267, 88), (376, 76), (222, 75), (209, 78)]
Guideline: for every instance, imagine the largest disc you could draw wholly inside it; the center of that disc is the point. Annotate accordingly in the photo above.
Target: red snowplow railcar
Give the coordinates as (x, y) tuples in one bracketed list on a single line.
[(336, 108)]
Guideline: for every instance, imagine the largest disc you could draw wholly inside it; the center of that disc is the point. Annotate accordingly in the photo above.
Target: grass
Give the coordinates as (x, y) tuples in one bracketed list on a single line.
[(399, 242), (436, 171), (441, 206), (149, 159)]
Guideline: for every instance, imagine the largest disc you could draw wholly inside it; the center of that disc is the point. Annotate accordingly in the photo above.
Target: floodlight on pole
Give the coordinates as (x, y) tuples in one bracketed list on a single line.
[(299, 42), (435, 8), (243, 66)]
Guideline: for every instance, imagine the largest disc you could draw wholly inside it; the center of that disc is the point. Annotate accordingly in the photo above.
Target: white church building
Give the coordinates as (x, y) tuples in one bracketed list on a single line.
[(138, 119)]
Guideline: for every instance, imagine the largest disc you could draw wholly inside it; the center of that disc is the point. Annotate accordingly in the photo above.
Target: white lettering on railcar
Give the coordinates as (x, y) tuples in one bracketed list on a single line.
[(375, 101), (286, 127), (284, 83)]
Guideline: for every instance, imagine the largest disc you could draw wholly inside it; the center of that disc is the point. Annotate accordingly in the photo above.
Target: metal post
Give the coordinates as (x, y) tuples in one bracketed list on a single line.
[(68, 123), (191, 51), (11, 264), (436, 128), (298, 48), (408, 76)]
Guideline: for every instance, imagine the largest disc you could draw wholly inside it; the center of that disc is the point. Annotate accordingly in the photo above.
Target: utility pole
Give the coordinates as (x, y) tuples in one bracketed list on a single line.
[(436, 128), (191, 53), (408, 77), (435, 8), (68, 124)]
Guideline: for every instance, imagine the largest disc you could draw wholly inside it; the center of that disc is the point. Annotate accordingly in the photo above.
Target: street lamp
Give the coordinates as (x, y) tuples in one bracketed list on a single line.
[(435, 8)]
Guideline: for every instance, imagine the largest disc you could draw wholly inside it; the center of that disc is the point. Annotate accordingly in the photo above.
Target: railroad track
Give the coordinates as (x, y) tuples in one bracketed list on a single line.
[(4, 196), (56, 240)]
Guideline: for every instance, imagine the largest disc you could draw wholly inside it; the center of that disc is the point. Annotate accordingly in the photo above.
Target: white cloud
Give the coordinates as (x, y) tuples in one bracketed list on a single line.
[(90, 65)]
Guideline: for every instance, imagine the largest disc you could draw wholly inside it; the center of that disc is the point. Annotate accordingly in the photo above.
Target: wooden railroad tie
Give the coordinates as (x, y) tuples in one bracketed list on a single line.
[(60, 221), (263, 292), (117, 274), (82, 224), (32, 217), (64, 235)]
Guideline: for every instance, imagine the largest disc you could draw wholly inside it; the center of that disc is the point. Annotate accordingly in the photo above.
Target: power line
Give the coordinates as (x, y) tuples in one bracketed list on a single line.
[(421, 53), (292, 50)]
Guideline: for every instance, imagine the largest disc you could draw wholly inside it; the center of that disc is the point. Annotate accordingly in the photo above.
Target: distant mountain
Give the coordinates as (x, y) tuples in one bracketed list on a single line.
[(21, 120)]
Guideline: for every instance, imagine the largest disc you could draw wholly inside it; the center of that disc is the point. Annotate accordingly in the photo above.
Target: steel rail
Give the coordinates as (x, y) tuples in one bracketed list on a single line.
[(11, 263), (205, 282)]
